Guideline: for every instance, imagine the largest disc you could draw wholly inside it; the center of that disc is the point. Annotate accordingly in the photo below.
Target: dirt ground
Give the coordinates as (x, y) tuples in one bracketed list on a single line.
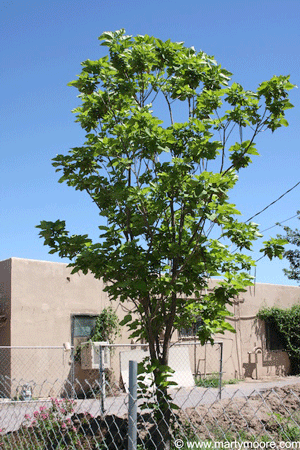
[(271, 412)]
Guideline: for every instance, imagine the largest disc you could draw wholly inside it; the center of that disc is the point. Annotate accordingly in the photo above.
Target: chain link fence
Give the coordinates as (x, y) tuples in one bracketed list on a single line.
[(79, 370), (55, 398), (178, 418)]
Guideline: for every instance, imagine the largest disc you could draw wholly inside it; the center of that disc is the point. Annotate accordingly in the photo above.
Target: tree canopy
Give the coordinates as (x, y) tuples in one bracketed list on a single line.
[(166, 136), (293, 254)]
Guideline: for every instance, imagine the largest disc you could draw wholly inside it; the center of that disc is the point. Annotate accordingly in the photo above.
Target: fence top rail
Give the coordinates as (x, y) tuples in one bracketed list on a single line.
[(62, 347), (194, 342), (172, 344)]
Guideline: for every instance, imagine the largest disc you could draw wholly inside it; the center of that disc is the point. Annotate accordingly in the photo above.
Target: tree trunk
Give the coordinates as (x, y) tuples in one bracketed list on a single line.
[(163, 420), (162, 433), (160, 353)]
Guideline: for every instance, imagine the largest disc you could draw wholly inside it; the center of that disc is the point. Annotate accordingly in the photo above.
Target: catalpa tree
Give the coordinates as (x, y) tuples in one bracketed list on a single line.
[(166, 135)]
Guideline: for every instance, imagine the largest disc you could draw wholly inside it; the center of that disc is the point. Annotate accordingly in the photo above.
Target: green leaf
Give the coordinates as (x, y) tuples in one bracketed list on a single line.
[(127, 318), (284, 122)]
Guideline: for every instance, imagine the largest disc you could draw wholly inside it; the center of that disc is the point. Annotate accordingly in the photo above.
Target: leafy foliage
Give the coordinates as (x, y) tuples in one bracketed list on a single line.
[(107, 327), (293, 256), (213, 381), (163, 185), (50, 426), (287, 323)]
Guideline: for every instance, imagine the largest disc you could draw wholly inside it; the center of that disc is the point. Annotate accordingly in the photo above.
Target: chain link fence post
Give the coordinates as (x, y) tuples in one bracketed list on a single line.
[(132, 406), (101, 379), (72, 370), (221, 370)]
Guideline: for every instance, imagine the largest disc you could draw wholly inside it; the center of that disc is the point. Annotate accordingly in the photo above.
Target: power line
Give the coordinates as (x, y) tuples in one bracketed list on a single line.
[(279, 223), (257, 214), (276, 224)]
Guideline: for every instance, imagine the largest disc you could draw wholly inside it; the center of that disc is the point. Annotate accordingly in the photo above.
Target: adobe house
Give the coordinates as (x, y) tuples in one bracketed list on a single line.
[(42, 304), (255, 350)]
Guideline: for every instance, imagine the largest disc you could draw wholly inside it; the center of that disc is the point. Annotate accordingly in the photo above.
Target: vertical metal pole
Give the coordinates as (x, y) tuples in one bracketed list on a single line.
[(221, 370), (195, 358), (205, 359), (73, 371), (101, 380), (132, 406)]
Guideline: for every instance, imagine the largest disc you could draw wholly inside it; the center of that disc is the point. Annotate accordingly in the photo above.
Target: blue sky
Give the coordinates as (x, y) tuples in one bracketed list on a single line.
[(43, 44)]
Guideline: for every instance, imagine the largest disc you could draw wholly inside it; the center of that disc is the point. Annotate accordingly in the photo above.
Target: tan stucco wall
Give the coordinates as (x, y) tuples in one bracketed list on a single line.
[(45, 295), (245, 352), (43, 298)]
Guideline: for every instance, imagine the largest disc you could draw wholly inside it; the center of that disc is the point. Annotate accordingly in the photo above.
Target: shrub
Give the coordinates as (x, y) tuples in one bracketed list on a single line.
[(287, 323)]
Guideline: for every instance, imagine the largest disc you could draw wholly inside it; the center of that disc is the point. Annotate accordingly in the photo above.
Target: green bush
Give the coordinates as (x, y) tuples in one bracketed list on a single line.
[(287, 323)]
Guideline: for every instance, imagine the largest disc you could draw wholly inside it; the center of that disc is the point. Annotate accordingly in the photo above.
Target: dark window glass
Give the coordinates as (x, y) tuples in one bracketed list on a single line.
[(83, 325), (274, 339), (192, 331)]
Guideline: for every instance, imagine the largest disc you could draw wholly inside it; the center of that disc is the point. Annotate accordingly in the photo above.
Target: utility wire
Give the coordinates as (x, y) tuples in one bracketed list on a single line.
[(266, 229), (276, 224), (273, 226), (279, 223), (257, 214)]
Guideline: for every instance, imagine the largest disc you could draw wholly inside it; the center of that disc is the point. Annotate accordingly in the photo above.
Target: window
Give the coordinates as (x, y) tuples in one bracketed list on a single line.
[(83, 326), (274, 339), (192, 331)]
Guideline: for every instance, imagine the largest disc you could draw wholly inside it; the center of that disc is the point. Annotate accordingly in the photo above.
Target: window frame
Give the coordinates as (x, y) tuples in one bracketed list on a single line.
[(73, 325)]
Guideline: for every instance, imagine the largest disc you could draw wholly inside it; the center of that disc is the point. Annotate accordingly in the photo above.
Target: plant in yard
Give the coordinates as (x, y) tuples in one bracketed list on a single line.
[(162, 186), (287, 427), (51, 426), (185, 431), (287, 323), (107, 327), (211, 380)]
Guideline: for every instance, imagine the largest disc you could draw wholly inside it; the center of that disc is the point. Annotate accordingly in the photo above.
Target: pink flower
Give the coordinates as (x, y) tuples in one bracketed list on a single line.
[(74, 429), (44, 416), (42, 408), (69, 421), (33, 422), (63, 425), (27, 416), (36, 414)]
